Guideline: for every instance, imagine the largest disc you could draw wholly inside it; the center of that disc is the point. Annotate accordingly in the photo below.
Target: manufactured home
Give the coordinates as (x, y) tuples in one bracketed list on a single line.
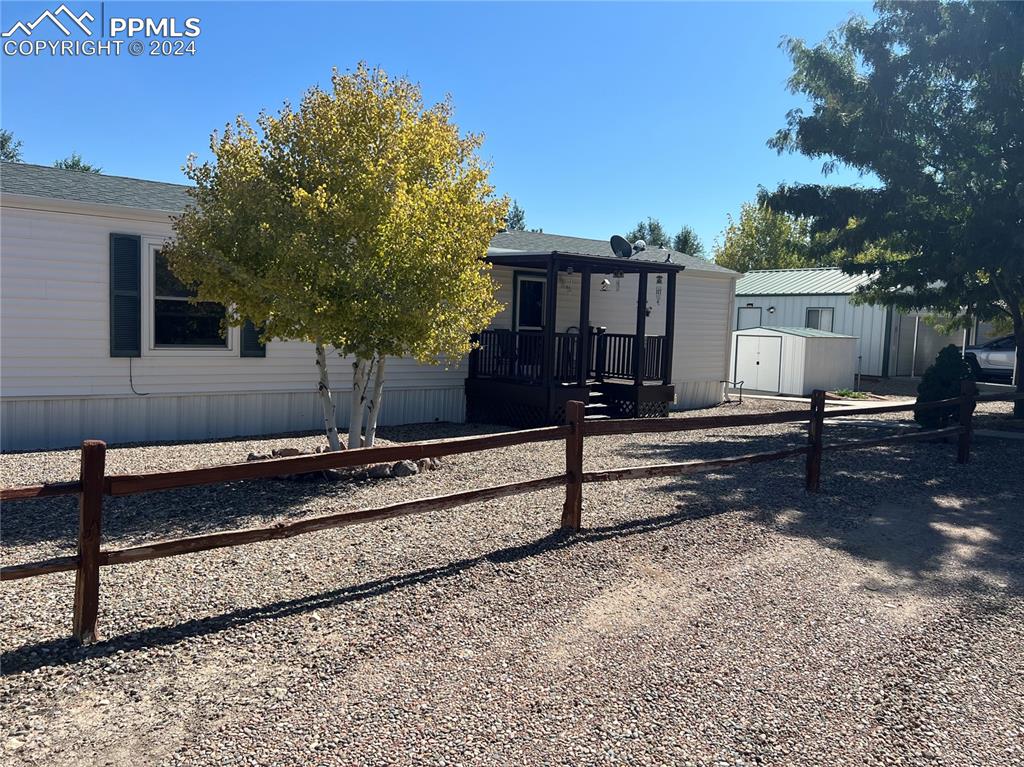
[(99, 340), (889, 342)]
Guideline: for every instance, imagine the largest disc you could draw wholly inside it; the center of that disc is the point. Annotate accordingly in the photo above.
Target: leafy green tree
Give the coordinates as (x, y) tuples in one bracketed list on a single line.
[(515, 221), (941, 381), (687, 241), (357, 221), (763, 239), (75, 162), (10, 147), (929, 99), (650, 231)]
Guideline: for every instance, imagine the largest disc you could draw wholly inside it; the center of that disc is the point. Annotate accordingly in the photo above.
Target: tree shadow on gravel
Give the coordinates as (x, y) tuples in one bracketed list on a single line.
[(193, 510), (62, 652), (933, 526)]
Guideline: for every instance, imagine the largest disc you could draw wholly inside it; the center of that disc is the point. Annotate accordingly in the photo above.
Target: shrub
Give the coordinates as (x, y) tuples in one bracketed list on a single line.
[(942, 381)]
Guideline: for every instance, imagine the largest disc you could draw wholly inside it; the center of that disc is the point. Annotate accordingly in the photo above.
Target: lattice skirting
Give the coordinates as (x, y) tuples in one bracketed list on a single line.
[(507, 413), (629, 408)]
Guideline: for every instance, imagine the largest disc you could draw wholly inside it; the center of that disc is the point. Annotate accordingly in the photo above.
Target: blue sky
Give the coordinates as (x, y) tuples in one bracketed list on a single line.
[(595, 115)]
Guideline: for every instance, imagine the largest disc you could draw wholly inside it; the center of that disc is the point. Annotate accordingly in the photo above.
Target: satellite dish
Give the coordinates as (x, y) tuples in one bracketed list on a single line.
[(621, 246)]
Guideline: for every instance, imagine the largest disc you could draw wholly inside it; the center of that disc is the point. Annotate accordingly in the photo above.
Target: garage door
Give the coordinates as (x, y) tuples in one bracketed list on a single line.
[(759, 362)]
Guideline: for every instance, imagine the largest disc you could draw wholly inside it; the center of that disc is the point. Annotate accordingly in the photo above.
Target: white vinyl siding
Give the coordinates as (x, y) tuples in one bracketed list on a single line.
[(54, 296)]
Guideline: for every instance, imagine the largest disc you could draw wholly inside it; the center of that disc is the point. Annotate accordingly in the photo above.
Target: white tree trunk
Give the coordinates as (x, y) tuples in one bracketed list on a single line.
[(360, 379), (373, 403), (324, 388)]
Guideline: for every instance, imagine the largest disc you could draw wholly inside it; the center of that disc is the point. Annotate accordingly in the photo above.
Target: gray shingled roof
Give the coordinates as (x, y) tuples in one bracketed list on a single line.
[(60, 184), (816, 281), (532, 242)]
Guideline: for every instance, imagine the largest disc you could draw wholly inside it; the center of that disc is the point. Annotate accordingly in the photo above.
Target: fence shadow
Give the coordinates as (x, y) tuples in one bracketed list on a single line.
[(67, 651), (193, 510), (932, 524)]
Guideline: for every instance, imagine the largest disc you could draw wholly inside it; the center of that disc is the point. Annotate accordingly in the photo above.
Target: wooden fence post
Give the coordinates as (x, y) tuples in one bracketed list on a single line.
[(572, 511), (90, 514), (814, 440), (968, 391)]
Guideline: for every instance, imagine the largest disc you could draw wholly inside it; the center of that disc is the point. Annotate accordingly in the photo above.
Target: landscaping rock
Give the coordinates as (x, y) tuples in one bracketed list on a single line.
[(379, 471), (435, 463), (258, 457), (423, 464), (287, 452), (404, 469)]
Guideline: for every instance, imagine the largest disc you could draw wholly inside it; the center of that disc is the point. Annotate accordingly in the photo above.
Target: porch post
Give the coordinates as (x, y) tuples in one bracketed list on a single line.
[(641, 329), (551, 297), (583, 353), (670, 330)]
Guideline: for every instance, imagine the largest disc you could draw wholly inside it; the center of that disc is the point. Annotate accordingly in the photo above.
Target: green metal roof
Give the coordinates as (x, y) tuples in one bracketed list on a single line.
[(96, 188), (816, 281), (804, 332)]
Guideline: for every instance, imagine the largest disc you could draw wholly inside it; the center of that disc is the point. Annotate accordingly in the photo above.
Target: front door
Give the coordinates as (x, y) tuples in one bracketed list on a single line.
[(530, 302)]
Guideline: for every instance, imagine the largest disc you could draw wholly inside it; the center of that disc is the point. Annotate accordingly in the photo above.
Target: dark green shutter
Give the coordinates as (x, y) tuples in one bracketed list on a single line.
[(251, 346), (125, 295)]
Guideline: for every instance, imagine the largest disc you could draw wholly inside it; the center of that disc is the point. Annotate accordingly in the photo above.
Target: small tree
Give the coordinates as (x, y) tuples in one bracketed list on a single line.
[(10, 147), (651, 232), (515, 221), (687, 241), (358, 221), (763, 239), (75, 162), (941, 381)]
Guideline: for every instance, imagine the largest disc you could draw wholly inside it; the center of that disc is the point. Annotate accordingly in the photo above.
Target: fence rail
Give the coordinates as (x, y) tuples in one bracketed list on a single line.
[(95, 483)]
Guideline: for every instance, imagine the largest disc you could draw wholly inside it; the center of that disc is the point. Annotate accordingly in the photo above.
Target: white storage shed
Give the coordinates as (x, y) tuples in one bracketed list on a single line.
[(793, 361)]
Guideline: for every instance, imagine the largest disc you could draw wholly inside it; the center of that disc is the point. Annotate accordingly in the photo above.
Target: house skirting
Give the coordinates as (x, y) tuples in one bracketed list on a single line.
[(691, 395), (28, 423)]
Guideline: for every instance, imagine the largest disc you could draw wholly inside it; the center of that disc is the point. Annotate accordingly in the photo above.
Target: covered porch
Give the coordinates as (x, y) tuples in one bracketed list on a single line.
[(524, 373)]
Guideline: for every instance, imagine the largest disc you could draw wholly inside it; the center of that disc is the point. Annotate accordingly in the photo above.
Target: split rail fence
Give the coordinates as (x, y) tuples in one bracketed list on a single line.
[(94, 483)]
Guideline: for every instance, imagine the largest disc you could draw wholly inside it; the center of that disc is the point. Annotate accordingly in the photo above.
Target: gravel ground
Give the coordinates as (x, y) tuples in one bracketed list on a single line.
[(721, 619)]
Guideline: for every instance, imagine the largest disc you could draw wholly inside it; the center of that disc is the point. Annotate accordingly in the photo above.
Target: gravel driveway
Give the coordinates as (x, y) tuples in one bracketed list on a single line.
[(720, 619)]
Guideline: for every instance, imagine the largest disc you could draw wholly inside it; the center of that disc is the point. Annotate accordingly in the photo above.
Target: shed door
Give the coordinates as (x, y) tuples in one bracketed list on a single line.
[(759, 362), (748, 317)]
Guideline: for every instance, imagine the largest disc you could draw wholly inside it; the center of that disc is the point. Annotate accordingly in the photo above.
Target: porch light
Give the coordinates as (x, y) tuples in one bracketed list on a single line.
[(605, 284), (771, 310), (570, 270)]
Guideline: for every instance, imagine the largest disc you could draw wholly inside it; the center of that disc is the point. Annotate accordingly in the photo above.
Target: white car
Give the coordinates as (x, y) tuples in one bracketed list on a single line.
[(992, 361)]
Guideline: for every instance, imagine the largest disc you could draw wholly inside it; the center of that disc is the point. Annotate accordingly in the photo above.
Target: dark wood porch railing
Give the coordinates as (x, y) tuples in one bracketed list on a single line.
[(518, 355), (612, 356)]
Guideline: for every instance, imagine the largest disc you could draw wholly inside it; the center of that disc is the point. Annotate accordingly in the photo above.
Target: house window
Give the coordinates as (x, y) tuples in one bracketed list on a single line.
[(819, 318), (530, 302), (176, 321)]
